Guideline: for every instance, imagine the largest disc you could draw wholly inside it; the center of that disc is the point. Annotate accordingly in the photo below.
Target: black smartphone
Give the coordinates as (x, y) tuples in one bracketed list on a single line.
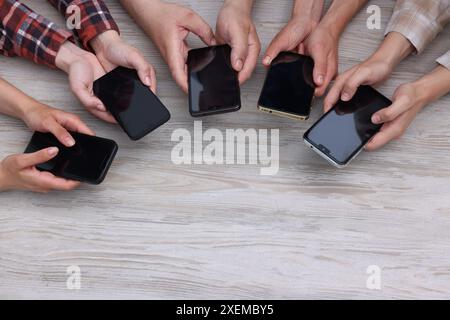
[(341, 134), (213, 83), (87, 161), (135, 107), (289, 86)]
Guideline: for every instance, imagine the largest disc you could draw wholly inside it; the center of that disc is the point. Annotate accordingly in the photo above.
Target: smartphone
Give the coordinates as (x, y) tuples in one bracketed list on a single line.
[(289, 87), (341, 134), (213, 83), (87, 161), (135, 107)]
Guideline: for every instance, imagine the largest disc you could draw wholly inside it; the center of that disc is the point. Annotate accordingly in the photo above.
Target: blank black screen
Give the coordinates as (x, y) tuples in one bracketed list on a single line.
[(213, 83), (289, 85), (87, 161), (343, 131), (135, 107)]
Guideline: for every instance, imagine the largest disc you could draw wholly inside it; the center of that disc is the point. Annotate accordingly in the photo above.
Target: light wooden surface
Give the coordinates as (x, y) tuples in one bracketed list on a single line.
[(158, 230)]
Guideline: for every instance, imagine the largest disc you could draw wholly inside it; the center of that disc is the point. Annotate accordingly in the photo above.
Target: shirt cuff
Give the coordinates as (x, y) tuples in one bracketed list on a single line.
[(95, 19), (416, 26), (39, 39), (445, 60)]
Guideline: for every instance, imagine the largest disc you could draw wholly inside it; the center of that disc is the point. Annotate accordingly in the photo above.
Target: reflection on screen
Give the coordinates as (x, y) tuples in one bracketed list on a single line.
[(343, 131), (289, 85), (213, 83)]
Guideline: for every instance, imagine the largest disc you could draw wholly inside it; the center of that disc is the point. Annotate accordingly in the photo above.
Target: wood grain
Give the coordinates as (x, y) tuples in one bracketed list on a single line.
[(159, 230)]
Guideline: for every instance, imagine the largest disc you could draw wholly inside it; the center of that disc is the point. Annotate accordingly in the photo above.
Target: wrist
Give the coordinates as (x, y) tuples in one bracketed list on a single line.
[(244, 6), (394, 48), (66, 56), (433, 86), (3, 180), (101, 42), (311, 9)]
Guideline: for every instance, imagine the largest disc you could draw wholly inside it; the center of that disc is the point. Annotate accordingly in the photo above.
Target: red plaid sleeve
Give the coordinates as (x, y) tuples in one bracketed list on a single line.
[(95, 18), (27, 34)]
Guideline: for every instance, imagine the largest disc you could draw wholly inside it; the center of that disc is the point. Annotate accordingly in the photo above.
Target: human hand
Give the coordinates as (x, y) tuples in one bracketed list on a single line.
[(369, 72), (18, 172), (377, 68), (111, 51), (235, 27), (42, 118), (396, 119), (83, 69), (169, 25)]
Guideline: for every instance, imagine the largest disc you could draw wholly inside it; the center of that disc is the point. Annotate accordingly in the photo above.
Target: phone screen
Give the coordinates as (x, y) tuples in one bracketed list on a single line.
[(213, 83), (289, 85), (135, 107), (87, 161), (342, 132)]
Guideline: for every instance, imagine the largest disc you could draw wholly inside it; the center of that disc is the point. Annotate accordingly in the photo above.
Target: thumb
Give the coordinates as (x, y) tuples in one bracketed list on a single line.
[(278, 44), (320, 66), (239, 51), (33, 159)]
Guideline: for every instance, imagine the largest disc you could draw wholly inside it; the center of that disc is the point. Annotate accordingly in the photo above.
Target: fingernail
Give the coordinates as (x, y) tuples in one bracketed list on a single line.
[(69, 141), (52, 151), (376, 119), (239, 65), (345, 97), (147, 81), (320, 80), (101, 107), (213, 42), (267, 60)]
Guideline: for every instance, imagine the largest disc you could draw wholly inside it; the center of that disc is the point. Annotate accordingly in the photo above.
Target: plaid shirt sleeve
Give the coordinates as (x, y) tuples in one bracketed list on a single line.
[(95, 18), (420, 21), (27, 34)]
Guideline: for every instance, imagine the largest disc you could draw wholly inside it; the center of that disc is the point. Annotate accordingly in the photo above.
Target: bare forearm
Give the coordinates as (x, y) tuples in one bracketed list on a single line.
[(310, 8), (244, 5), (14, 102), (394, 48), (434, 85), (340, 13)]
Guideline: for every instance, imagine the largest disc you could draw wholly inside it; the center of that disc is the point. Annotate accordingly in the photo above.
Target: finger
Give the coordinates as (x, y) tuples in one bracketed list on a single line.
[(389, 114), (334, 94), (278, 44), (32, 159), (144, 69), (359, 77), (102, 115), (46, 181), (60, 133), (74, 123), (331, 74), (383, 137), (201, 28), (254, 49), (86, 97), (320, 64), (177, 64)]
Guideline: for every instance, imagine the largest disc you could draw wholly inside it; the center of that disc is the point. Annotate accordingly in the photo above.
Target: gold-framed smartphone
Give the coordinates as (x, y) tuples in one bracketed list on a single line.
[(288, 90)]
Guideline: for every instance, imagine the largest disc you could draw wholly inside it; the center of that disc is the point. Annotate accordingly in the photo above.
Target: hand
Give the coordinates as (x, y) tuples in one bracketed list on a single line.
[(43, 118), (235, 27), (394, 48), (169, 25), (407, 103), (111, 51), (83, 68), (322, 45), (19, 172), (369, 72)]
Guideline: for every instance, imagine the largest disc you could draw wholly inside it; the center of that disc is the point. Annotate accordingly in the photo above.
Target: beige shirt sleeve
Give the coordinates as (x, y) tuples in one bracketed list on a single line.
[(445, 60), (420, 21)]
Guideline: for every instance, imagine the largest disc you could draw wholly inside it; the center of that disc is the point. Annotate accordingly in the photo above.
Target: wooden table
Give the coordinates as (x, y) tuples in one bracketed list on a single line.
[(159, 230)]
